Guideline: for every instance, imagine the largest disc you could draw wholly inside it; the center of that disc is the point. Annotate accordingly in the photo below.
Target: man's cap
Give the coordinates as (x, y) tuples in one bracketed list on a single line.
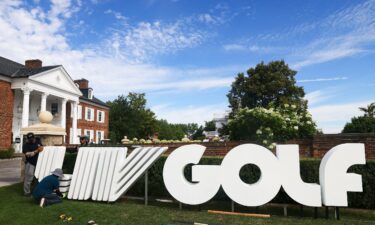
[(58, 172), (30, 135)]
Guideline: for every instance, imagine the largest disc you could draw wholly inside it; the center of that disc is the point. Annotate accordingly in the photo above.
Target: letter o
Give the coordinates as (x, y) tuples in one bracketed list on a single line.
[(259, 193)]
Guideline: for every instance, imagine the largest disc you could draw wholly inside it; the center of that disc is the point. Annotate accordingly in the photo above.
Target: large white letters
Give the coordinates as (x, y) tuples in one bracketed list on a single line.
[(206, 176), (303, 193), (333, 173), (283, 170), (259, 193)]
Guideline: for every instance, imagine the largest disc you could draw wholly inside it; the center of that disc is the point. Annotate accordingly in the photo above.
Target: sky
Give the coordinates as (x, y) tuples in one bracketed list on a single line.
[(184, 54)]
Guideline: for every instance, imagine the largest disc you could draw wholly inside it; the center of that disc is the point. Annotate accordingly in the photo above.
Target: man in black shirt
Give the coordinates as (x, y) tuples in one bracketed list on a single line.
[(31, 150)]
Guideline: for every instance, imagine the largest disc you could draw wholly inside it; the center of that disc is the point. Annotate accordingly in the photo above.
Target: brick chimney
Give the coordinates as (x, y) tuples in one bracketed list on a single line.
[(33, 63), (82, 83)]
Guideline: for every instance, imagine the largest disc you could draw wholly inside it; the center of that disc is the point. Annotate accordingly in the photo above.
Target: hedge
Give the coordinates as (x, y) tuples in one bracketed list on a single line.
[(6, 153), (250, 174)]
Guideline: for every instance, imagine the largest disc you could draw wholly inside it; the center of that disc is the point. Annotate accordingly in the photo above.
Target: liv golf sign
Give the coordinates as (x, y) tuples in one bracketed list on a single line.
[(277, 171)]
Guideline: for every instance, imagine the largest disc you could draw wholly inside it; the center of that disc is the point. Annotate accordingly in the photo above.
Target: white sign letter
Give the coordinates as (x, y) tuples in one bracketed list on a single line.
[(206, 176), (334, 179), (299, 191), (259, 193)]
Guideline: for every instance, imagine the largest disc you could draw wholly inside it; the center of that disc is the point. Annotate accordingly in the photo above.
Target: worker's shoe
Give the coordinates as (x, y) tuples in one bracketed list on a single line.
[(42, 202)]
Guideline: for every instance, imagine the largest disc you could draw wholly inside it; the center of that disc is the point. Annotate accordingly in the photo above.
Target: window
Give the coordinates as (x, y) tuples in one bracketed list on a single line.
[(89, 94), (100, 116), (89, 114), (90, 135), (99, 136), (54, 108)]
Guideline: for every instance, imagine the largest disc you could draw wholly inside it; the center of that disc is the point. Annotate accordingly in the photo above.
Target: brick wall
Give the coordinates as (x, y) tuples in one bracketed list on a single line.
[(323, 143), (314, 147), (6, 114), (89, 125)]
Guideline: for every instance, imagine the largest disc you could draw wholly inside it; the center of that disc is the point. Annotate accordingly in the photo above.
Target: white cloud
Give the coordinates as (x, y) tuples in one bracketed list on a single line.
[(333, 117), (345, 33), (316, 97), (234, 47), (41, 34), (149, 39), (207, 18), (188, 114), (322, 79), (116, 14)]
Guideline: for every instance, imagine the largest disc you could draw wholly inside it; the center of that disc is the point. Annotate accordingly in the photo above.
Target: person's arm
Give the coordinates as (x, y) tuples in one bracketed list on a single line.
[(40, 148), (57, 191)]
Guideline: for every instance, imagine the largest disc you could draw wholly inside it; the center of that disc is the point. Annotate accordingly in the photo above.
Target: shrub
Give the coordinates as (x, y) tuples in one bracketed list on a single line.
[(266, 126), (6, 153), (250, 174)]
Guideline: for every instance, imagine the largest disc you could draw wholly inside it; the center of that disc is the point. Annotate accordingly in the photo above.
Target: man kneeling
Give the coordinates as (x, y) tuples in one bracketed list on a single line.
[(47, 191)]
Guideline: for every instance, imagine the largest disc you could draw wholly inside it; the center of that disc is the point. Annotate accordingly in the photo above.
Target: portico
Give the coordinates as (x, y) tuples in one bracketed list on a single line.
[(50, 90)]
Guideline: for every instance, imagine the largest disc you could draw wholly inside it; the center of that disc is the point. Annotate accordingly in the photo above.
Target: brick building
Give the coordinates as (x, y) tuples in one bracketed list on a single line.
[(27, 89), (92, 117)]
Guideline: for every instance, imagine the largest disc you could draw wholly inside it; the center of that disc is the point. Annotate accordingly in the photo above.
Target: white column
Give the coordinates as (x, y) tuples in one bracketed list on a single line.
[(25, 107), (43, 102), (63, 113), (74, 122)]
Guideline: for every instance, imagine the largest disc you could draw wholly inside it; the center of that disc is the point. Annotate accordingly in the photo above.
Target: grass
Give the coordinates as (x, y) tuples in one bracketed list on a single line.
[(17, 209)]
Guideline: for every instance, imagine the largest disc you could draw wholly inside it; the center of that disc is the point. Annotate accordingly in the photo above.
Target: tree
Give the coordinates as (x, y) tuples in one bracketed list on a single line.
[(209, 125), (198, 135), (129, 116), (168, 131), (361, 124), (369, 110), (272, 83), (266, 126)]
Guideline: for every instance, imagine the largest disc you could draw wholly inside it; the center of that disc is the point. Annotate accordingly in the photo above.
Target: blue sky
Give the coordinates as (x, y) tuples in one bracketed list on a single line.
[(185, 54)]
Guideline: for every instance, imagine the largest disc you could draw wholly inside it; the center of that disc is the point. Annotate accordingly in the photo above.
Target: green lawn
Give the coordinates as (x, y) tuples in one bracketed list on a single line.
[(17, 209)]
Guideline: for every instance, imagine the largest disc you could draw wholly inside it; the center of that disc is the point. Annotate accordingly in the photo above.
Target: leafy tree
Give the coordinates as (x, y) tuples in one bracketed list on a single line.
[(170, 131), (369, 110), (129, 116), (209, 126), (198, 135), (267, 126), (191, 128), (273, 83), (361, 124)]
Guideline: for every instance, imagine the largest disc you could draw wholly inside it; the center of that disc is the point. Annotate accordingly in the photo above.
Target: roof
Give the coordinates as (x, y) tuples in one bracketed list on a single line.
[(94, 100), (9, 67), (85, 96), (27, 72), (13, 69)]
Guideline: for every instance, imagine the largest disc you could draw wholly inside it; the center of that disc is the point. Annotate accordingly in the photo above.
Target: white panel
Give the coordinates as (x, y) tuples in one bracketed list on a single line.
[(98, 175), (134, 172), (49, 159), (83, 175), (93, 170), (77, 166), (104, 174), (110, 174)]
